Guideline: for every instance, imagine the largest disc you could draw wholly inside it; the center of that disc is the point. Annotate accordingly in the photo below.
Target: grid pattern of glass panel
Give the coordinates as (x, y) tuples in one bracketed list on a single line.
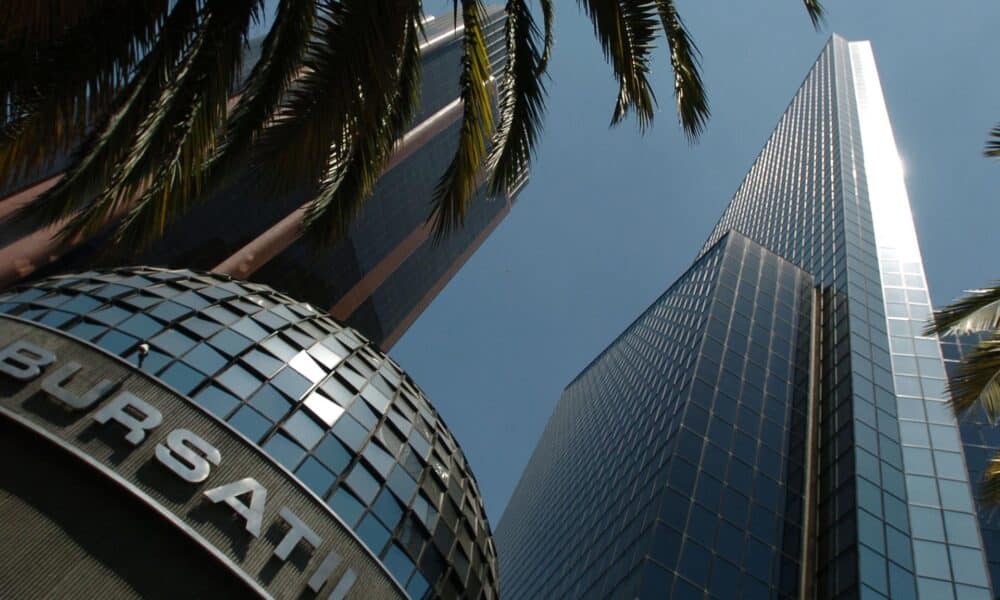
[(818, 195), (317, 397), (671, 463), (980, 442), (807, 199), (578, 521), (947, 566)]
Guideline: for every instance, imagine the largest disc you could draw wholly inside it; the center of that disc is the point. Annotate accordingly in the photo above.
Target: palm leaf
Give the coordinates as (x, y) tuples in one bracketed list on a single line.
[(280, 61), (989, 487), (25, 22), (100, 156), (978, 380), (522, 97), (56, 92), (993, 145), (548, 23), (692, 103), (381, 117), (626, 30), (462, 177), (166, 165), (309, 123), (978, 311), (815, 11)]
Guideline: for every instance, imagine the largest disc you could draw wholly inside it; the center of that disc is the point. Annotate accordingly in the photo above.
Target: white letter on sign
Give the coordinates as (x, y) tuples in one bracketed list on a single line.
[(53, 384), (137, 428), (193, 467), (24, 360), (253, 512)]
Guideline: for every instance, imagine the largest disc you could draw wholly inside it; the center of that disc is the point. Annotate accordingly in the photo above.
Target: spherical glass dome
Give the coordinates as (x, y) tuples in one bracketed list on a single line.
[(317, 397)]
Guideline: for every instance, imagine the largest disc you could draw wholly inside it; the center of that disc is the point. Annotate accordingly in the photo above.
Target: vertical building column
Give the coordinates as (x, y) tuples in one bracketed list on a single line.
[(809, 500)]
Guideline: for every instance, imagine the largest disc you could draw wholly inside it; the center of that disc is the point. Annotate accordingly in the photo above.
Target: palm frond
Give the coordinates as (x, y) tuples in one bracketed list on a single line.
[(626, 30), (462, 177), (166, 164), (692, 103), (815, 11), (55, 93), (308, 125), (41, 21), (548, 24), (381, 116), (522, 98), (100, 156), (993, 145), (977, 311), (280, 60), (989, 487), (978, 380)]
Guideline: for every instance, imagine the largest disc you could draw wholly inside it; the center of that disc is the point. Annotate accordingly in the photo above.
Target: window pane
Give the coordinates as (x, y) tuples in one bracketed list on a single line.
[(284, 450), (315, 476), (250, 423), (363, 483), (270, 402), (182, 377), (205, 359), (303, 429), (372, 533), (346, 506), (332, 454)]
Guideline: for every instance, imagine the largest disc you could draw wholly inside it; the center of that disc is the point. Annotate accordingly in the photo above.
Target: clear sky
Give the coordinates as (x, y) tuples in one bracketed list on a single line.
[(610, 217)]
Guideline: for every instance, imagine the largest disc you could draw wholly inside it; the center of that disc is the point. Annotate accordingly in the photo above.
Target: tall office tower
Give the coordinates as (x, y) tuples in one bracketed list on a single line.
[(775, 425), (379, 279)]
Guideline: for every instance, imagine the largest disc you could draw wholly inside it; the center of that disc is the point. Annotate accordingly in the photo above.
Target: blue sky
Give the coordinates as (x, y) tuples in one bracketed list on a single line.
[(611, 217)]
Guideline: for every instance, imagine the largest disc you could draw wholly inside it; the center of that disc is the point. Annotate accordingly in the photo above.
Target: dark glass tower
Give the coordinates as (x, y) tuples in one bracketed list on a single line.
[(379, 279), (774, 425)]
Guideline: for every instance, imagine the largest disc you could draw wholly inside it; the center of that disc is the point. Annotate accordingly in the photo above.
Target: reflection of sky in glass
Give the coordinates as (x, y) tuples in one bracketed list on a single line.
[(936, 477)]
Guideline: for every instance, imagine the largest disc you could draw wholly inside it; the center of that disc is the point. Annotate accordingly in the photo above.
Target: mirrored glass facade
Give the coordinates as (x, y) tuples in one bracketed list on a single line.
[(871, 457), (317, 397), (694, 412)]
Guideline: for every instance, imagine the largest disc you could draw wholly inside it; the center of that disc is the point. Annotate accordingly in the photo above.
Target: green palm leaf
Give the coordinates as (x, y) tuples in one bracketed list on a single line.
[(692, 103), (166, 165), (815, 11), (297, 147), (58, 89), (369, 136), (626, 30), (145, 103), (978, 311), (522, 97), (461, 178), (111, 142), (280, 61), (548, 23), (978, 380), (993, 145)]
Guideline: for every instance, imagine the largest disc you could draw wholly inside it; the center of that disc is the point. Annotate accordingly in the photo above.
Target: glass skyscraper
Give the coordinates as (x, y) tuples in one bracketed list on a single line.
[(377, 280), (774, 425)]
